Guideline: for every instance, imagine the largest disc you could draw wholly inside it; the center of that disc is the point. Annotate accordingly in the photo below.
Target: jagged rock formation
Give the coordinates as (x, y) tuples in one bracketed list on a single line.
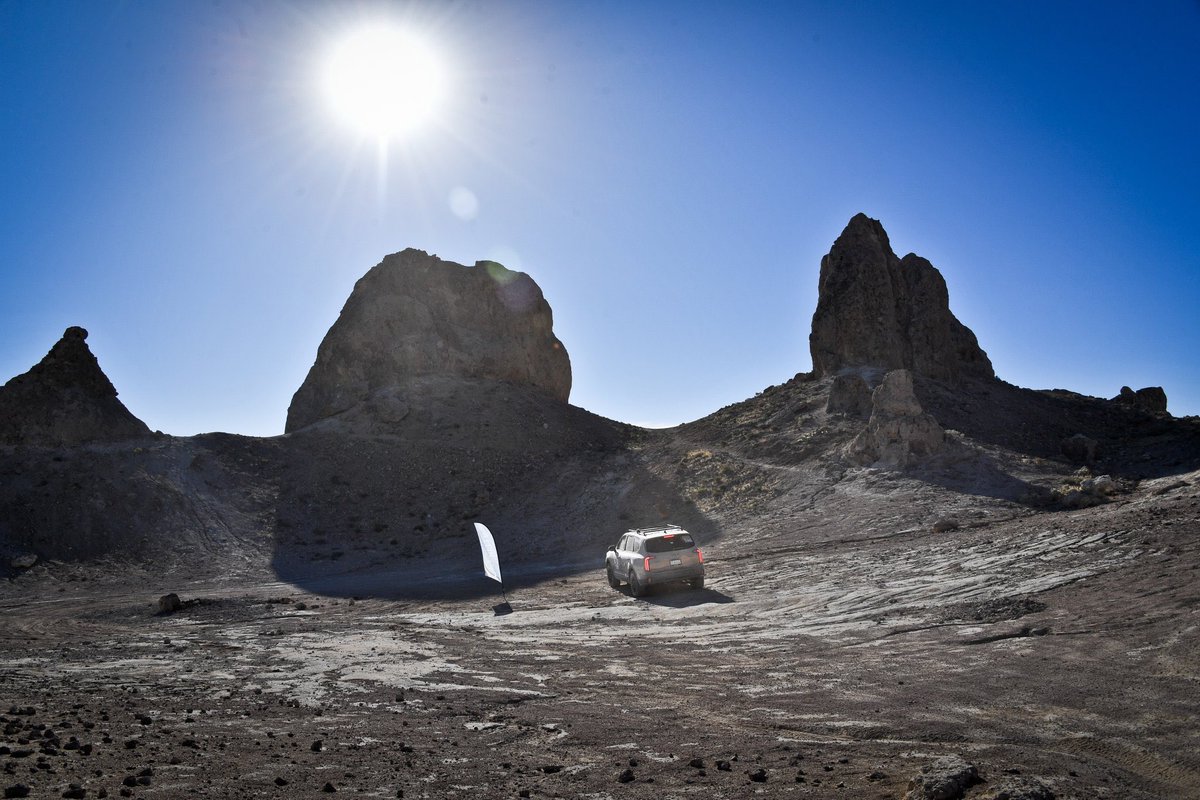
[(416, 315), (899, 431), (1152, 399), (877, 310), (65, 399)]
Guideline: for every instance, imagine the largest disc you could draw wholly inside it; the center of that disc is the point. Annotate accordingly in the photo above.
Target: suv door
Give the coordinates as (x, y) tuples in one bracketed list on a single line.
[(629, 553)]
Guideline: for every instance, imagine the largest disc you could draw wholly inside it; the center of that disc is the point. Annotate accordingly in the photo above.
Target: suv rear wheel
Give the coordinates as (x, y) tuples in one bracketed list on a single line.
[(635, 586)]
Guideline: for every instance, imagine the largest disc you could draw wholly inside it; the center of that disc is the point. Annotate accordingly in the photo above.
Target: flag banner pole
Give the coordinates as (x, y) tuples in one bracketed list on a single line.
[(491, 565)]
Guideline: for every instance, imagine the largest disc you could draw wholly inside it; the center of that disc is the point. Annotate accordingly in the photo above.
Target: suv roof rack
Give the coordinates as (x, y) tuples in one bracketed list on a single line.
[(653, 528)]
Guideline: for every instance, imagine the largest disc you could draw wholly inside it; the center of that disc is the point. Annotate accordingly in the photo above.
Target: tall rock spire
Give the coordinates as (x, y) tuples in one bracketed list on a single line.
[(877, 310), (415, 315), (65, 399)]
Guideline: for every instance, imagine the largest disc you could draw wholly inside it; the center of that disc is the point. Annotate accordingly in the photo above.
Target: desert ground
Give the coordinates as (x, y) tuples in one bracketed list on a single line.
[(835, 652)]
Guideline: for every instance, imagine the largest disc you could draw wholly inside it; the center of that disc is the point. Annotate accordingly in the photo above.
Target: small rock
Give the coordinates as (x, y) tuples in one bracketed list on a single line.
[(328, 788), (75, 791), (626, 776), (169, 603), (17, 790), (724, 766), (280, 782), (759, 775), (316, 746), (945, 524), (24, 561), (550, 769), (697, 763)]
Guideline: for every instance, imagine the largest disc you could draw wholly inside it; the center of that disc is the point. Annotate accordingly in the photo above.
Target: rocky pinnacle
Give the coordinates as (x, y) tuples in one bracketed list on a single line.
[(877, 310)]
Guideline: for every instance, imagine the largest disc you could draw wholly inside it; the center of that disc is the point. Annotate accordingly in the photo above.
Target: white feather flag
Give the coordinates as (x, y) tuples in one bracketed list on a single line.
[(491, 561)]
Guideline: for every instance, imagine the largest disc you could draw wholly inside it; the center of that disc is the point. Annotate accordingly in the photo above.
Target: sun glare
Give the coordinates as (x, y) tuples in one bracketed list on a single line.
[(383, 81)]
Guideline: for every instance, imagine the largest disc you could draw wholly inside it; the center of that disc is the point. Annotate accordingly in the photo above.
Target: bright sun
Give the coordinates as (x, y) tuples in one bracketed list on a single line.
[(383, 81)]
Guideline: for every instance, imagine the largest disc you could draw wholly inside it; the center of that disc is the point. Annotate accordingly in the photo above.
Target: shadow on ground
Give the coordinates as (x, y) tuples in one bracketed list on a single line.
[(393, 517), (673, 597)]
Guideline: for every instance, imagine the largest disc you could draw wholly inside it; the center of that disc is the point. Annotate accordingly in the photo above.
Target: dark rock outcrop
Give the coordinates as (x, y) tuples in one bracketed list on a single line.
[(877, 310), (65, 399), (415, 315), (1151, 399)]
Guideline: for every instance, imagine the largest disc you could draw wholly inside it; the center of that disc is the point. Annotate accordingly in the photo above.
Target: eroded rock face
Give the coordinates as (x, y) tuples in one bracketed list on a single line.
[(65, 399), (414, 315), (899, 431), (874, 309)]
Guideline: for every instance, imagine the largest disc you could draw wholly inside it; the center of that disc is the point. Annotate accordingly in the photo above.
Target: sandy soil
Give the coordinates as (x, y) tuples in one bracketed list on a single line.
[(829, 656)]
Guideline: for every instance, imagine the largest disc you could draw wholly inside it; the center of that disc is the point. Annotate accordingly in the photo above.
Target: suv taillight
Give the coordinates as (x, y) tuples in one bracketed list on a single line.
[(700, 555), (646, 563)]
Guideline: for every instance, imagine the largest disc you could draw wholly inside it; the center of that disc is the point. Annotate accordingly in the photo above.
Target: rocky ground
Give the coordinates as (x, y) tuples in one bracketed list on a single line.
[(1055, 652)]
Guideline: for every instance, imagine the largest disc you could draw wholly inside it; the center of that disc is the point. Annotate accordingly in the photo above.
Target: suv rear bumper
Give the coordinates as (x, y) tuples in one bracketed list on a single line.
[(668, 574)]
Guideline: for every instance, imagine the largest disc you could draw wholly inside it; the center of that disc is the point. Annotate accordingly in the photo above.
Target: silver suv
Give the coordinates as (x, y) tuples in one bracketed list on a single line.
[(646, 557)]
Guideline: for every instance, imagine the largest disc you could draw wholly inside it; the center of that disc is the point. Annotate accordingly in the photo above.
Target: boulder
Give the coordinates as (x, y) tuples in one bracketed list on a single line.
[(1079, 448), (1101, 486), (169, 603), (874, 309), (948, 778), (65, 399), (1152, 399), (416, 315), (899, 432), (24, 561), (849, 394)]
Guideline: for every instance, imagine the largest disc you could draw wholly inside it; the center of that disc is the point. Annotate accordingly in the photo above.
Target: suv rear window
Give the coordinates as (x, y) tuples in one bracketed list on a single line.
[(665, 544)]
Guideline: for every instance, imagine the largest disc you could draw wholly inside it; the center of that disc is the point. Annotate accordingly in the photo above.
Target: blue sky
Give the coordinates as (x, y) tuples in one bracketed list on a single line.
[(172, 179)]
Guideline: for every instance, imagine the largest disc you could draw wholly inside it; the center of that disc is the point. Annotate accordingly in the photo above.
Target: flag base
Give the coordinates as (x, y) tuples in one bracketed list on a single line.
[(502, 609)]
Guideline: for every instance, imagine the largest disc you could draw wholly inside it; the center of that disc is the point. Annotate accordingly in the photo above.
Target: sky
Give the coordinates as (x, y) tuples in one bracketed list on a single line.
[(175, 178)]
